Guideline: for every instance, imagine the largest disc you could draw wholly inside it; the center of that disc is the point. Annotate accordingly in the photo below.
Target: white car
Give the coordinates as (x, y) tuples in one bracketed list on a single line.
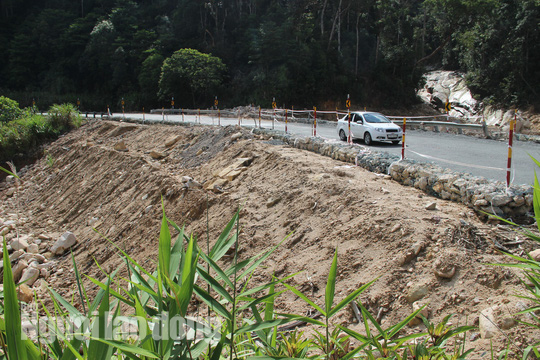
[(369, 126)]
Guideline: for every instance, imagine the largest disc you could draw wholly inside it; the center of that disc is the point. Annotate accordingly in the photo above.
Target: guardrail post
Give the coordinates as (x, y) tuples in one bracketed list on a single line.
[(314, 121), (403, 139), (286, 121), (510, 141), (259, 117)]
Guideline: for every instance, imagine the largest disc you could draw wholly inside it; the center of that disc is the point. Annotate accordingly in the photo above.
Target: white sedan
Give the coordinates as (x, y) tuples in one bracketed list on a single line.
[(369, 126)]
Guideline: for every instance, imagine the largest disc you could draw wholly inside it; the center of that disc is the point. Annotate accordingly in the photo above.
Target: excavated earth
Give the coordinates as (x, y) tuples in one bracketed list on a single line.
[(380, 229)]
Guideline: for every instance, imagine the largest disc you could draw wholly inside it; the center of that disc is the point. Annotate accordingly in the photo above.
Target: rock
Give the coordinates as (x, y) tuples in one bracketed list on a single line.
[(395, 228), (44, 273), (500, 200), (487, 323), (156, 155), (481, 202), (19, 244), (25, 293), (273, 201), (4, 231), (120, 146), (15, 255), (417, 292), (10, 191), (44, 237), (508, 323), (443, 268), (535, 255), (33, 249), (236, 136), (417, 320), (172, 140), (67, 240), (199, 152), (29, 276), (148, 209), (431, 206), (18, 270), (190, 182)]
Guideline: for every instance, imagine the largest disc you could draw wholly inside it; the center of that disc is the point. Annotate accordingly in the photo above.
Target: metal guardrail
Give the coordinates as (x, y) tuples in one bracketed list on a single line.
[(280, 114)]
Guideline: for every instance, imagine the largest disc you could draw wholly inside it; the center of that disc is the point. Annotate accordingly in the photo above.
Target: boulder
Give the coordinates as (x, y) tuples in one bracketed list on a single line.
[(67, 240), (172, 140), (417, 292), (29, 276), (19, 244), (18, 270), (120, 146), (535, 255), (156, 155), (33, 249), (487, 323), (25, 293)]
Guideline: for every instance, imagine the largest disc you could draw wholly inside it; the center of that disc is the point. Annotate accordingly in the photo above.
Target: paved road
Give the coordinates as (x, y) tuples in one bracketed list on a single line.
[(481, 157)]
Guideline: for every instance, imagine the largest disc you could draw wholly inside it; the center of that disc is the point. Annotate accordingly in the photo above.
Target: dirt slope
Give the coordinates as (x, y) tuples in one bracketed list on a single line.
[(380, 228)]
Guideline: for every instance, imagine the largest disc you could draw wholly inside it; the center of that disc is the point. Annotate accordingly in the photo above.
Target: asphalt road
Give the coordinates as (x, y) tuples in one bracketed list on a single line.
[(481, 157)]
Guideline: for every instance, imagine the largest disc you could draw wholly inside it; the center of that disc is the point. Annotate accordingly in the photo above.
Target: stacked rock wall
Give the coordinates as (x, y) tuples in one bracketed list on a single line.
[(476, 192)]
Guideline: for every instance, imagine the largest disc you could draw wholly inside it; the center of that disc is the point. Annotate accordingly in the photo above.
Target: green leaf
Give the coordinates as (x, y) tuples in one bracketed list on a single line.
[(350, 298), (331, 285), (293, 317), (209, 300), (261, 326), (98, 349), (225, 240), (164, 252), (125, 348), (303, 297), (14, 335)]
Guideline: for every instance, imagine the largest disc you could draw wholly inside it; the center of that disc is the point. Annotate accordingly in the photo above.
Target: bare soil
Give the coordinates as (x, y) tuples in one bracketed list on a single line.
[(380, 229)]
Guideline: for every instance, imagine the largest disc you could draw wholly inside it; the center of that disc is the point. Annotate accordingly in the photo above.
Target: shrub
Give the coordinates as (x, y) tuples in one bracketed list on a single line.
[(64, 117), (9, 110), (20, 135)]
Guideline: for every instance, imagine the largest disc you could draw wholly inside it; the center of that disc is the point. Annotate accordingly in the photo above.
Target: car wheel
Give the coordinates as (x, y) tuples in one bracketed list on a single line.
[(342, 135), (367, 138), (395, 142)]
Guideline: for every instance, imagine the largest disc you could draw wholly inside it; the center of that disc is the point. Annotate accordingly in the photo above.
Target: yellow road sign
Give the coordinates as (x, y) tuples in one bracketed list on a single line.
[(348, 103), (447, 106), (274, 105), (216, 102)]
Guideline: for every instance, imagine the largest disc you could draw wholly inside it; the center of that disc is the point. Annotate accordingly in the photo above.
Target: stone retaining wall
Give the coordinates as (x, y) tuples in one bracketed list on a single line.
[(476, 192)]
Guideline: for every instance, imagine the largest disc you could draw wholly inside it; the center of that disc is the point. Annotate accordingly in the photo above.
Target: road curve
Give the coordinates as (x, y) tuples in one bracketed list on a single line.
[(480, 157)]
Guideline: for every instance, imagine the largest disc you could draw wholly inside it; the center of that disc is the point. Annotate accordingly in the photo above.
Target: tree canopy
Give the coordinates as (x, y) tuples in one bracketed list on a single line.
[(303, 52)]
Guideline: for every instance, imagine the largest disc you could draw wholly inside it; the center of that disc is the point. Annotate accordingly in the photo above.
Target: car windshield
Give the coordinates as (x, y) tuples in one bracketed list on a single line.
[(376, 118)]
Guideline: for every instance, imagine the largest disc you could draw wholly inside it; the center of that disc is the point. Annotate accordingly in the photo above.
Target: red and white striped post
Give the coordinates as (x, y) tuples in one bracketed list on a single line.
[(510, 141), (286, 118), (259, 117), (403, 139), (348, 103), (314, 121)]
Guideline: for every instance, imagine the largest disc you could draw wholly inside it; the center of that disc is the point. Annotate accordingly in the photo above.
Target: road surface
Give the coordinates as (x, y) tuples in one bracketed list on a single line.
[(481, 157)]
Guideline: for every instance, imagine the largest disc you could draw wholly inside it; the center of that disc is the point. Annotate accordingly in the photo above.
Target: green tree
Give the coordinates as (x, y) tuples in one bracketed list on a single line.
[(189, 72), (9, 110)]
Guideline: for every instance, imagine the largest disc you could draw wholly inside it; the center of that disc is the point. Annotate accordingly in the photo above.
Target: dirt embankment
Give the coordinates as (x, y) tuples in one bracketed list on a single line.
[(380, 228)]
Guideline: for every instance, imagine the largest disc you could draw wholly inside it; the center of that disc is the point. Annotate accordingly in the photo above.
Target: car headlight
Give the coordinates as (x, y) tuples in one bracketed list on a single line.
[(379, 129)]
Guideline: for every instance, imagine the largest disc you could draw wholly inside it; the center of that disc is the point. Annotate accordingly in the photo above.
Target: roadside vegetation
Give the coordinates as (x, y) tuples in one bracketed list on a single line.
[(23, 130)]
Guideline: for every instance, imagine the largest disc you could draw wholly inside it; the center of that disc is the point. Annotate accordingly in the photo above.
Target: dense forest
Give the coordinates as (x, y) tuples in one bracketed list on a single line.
[(302, 52)]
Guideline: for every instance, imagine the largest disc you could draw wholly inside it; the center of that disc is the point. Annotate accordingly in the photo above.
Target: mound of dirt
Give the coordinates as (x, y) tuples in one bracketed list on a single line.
[(379, 228)]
